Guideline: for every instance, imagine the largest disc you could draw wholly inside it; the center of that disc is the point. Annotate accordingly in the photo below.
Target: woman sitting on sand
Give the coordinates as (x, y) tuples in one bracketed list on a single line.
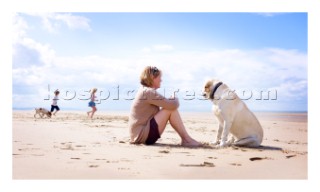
[(151, 111)]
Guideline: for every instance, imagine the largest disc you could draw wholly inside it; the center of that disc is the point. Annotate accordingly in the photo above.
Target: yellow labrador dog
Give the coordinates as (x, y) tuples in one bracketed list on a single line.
[(42, 112), (233, 116)]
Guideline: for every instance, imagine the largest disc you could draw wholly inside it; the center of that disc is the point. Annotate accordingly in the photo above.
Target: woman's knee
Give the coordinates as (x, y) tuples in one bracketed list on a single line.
[(169, 111), (163, 114), (162, 118)]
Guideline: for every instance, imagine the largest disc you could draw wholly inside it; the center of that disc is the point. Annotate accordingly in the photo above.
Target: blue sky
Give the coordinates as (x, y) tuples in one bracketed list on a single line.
[(76, 51)]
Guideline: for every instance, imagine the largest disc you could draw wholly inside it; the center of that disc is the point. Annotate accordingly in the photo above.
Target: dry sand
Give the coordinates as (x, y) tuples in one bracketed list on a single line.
[(70, 146)]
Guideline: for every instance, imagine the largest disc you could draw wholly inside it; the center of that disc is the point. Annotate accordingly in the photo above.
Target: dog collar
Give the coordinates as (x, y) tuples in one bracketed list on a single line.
[(215, 89)]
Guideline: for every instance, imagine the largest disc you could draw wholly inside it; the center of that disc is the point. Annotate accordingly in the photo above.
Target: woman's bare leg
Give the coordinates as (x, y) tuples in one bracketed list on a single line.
[(88, 113), (173, 116), (94, 109)]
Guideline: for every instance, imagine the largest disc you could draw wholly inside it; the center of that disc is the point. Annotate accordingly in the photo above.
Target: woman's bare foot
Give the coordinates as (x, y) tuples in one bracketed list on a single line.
[(191, 143)]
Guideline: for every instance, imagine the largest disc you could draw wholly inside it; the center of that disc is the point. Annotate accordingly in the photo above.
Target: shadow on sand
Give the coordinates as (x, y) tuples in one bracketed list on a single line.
[(209, 146), (203, 146), (260, 148)]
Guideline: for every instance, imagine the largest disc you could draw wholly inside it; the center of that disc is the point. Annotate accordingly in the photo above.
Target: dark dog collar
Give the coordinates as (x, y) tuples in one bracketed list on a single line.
[(215, 89)]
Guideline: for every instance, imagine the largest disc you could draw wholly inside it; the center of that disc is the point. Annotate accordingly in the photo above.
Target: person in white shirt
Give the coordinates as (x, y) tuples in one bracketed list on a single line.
[(54, 105)]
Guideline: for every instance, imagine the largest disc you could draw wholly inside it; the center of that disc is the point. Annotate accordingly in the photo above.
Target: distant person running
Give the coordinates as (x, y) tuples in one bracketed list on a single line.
[(92, 104), (54, 105)]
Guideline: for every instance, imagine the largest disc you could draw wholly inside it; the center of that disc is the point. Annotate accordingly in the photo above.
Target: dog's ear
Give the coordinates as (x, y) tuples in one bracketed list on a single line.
[(214, 81), (206, 80), (208, 84)]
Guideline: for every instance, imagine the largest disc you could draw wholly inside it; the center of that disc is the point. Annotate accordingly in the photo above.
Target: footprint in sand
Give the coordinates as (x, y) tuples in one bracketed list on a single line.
[(204, 164), (80, 146), (112, 161), (37, 154), (164, 151), (293, 142), (123, 168), (289, 156), (259, 158), (67, 146), (244, 150)]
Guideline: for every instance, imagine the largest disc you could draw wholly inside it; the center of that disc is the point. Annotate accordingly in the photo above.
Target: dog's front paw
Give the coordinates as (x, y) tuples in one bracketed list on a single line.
[(215, 142), (223, 144), (230, 141)]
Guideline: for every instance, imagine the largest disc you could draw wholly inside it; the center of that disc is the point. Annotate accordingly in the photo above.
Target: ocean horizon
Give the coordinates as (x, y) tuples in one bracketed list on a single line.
[(183, 111)]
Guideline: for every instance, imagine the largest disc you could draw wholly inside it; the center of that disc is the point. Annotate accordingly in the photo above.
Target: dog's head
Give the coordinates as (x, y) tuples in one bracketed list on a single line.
[(209, 87), (49, 114)]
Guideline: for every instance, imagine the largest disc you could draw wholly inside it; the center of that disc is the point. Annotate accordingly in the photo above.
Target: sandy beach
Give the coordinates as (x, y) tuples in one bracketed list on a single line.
[(70, 146)]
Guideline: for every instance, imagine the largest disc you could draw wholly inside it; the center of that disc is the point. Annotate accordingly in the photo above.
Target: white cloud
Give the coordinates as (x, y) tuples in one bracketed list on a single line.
[(295, 90), (53, 22), (25, 50), (96, 70), (146, 50), (253, 70), (240, 69), (31, 76), (19, 27), (157, 48), (163, 47), (73, 22)]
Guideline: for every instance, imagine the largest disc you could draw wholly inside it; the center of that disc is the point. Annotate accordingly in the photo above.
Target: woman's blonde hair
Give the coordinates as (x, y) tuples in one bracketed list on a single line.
[(93, 90), (148, 74)]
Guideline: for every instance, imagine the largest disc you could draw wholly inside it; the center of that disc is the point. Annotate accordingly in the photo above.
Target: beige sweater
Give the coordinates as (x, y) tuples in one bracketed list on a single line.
[(146, 104)]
